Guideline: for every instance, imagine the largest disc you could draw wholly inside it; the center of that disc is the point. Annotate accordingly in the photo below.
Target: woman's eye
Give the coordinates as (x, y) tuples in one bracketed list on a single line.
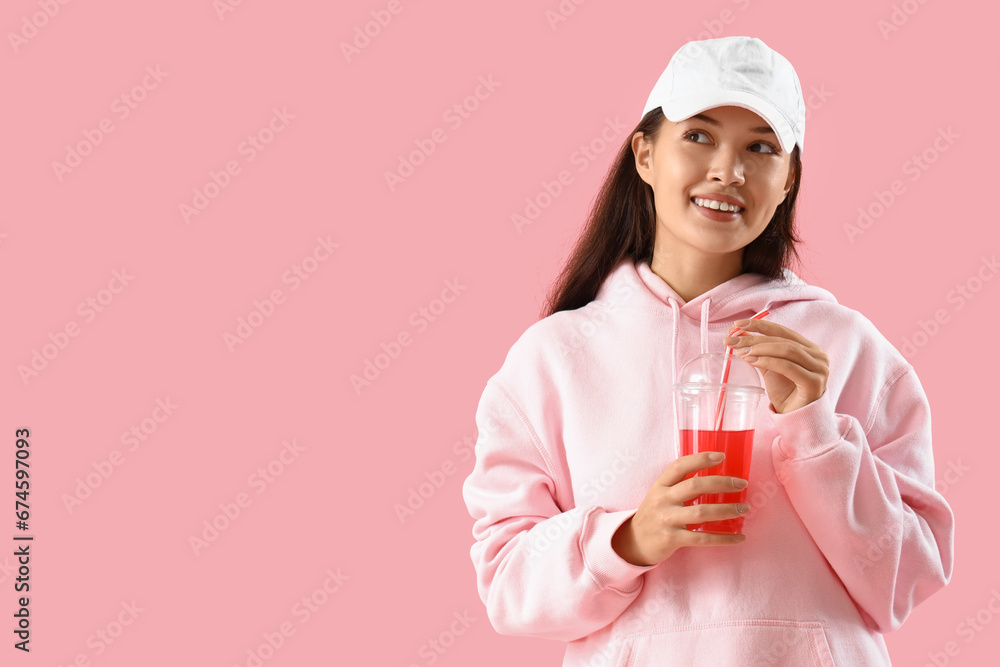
[(768, 148), (771, 148)]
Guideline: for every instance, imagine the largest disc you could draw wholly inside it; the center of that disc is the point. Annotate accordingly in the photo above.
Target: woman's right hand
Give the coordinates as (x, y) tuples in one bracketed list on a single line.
[(658, 527)]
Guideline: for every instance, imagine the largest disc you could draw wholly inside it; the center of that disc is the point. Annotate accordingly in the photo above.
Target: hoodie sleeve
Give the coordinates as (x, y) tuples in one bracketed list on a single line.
[(867, 497), (541, 571)]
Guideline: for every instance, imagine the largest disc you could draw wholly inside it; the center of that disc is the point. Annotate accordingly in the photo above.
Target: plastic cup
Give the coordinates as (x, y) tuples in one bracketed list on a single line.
[(697, 395)]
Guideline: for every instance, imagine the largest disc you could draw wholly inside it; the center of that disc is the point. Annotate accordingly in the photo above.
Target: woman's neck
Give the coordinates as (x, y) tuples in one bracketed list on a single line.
[(692, 278)]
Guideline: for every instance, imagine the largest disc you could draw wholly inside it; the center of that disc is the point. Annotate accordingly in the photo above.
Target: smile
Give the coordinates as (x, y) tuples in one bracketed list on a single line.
[(716, 205)]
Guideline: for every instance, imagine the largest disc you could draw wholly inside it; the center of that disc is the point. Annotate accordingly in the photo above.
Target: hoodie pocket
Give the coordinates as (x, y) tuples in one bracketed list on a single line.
[(750, 643)]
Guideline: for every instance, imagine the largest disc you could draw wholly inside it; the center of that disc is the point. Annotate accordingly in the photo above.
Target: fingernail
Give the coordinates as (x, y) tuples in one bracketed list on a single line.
[(740, 483), (741, 351), (750, 360), (742, 509), (741, 323), (716, 456)]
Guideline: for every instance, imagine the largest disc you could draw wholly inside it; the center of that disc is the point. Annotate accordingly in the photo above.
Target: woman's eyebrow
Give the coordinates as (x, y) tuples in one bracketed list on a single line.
[(711, 121)]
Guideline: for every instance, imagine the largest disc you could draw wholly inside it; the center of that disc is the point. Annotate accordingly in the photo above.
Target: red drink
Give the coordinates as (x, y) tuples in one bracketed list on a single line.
[(737, 446)]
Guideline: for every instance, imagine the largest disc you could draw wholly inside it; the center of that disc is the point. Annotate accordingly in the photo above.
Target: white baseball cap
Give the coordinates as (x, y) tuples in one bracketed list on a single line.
[(737, 71)]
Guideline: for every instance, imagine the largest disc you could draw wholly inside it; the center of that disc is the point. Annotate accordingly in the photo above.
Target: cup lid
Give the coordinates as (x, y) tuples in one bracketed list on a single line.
[(706, 370)]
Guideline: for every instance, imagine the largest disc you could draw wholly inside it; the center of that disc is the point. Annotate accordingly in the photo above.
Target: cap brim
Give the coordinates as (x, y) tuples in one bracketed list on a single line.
[(684, 108)]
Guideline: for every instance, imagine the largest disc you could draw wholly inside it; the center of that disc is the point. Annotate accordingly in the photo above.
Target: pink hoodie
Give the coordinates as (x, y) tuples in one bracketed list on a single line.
[(846, 534)]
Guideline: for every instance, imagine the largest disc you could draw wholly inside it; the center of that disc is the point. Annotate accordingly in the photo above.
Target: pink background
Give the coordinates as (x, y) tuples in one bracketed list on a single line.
[(331, 506)]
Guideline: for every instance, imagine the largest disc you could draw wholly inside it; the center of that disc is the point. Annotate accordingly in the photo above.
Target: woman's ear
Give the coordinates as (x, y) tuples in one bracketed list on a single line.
[(791, 176), (642, 148)]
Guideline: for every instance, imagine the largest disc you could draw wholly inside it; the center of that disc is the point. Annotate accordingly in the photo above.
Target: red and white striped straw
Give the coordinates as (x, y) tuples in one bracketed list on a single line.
[(720, 408)]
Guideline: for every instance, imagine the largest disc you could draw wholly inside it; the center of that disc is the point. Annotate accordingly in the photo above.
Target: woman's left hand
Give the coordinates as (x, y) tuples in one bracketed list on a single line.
[(795, 370)]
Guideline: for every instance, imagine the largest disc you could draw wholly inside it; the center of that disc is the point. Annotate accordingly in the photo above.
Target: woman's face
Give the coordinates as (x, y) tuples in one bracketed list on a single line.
[(724, 150)]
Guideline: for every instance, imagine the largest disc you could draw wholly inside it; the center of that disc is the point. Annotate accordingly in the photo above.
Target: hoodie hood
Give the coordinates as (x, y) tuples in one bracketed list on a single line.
[(634, 284)]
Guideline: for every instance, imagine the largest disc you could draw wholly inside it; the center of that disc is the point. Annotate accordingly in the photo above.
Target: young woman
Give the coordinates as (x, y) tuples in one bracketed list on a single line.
[(579, 485)]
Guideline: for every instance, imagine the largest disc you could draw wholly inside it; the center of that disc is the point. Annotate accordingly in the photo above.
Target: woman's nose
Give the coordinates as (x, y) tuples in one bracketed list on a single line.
[(727, 165)]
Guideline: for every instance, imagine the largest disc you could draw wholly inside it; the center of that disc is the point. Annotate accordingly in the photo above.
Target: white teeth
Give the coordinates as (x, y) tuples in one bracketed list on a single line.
[(717, 205)]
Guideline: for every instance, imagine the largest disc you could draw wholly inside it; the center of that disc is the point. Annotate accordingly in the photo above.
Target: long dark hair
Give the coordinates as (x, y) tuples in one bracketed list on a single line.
[(622, 224)]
